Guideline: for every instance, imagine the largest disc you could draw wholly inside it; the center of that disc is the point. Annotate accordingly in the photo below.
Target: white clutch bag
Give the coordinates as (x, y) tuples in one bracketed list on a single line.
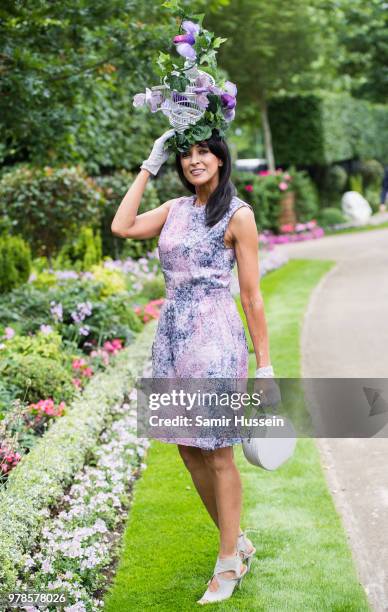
[(269, 451)]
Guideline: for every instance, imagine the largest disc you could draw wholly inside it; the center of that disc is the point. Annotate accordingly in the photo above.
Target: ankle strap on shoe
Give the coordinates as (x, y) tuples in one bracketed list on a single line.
[(232, 564)]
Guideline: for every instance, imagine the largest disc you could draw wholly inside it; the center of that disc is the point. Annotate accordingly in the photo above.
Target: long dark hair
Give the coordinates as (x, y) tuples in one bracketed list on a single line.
[(220, 199)]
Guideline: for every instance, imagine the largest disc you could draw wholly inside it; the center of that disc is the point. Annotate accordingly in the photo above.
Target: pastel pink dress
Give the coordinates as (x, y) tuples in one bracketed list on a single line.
[(200, 333)]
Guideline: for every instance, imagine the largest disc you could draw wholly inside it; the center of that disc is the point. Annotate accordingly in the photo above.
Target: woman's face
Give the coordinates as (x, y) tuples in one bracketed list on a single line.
[(199, 164)]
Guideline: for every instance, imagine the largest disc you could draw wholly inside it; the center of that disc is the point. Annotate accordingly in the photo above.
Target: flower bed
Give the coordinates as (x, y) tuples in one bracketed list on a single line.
[(291, 233), (67, 327), (77, 542), (39, 480)]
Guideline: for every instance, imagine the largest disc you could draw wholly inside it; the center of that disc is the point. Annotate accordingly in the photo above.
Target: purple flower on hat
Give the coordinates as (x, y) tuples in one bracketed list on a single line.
[(184, 38), (153, 99), (202, 101), (230, 88), (186, 50), (190, 27), (203, 81), (228, 101), (229, 114), (139, 100), (184, 42), (215, 90)]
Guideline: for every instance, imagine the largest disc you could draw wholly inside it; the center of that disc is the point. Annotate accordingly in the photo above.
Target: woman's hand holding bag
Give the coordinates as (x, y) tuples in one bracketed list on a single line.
[(269, 451)]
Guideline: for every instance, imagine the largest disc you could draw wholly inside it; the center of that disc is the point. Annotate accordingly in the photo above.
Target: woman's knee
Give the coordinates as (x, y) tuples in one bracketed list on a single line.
[(191, 456), (220, 459)]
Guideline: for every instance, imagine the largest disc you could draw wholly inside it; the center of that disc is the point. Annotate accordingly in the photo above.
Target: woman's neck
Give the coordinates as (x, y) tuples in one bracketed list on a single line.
[(203, 192)]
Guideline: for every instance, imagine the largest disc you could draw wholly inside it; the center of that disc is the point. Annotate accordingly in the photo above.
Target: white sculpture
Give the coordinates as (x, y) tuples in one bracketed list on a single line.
[(355, 206)]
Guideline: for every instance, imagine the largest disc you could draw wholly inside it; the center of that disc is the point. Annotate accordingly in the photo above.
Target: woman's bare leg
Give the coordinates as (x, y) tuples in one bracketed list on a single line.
[(228, 493), (203, 478), (195, 463)]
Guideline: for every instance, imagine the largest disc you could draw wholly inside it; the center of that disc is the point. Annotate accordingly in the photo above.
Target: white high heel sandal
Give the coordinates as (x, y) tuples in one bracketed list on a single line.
[(243, 545), (226, 585)]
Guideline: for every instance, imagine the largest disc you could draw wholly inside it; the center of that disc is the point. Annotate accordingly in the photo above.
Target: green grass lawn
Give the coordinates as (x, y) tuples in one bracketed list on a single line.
[(361, 228), (303, 562)]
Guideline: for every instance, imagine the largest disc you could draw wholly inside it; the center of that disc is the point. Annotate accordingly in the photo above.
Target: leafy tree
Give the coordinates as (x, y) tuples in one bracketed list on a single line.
[(269, 44), (363, 36), (68, 72)]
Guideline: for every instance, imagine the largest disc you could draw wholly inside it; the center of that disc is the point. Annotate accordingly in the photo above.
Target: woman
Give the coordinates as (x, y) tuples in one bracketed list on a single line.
[(200, 333)]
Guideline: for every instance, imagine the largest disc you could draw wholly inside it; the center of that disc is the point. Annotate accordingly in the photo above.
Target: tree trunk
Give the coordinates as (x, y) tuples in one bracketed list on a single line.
[(267, 135)]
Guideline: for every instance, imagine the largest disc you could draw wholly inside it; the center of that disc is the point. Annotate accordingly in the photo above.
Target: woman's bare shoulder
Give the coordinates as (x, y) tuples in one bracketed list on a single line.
[(174, 201)]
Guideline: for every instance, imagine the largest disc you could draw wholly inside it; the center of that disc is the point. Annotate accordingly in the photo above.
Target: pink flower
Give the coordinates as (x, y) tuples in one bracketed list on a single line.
[(78, 364), (287, 228), (248, 187), (77, 382), (47, 407), (9, 332), (300, 227), (283, 186), (88, 372), (264, 173)]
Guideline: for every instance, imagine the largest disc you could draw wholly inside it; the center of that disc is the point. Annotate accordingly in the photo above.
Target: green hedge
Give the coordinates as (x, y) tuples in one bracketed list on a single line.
[(15, 262), (41, 477), (325, 128)]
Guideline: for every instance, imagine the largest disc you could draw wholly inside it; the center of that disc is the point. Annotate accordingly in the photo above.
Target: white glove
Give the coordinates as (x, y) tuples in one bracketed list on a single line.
[(158, 154), (265, 372), (269, 387)]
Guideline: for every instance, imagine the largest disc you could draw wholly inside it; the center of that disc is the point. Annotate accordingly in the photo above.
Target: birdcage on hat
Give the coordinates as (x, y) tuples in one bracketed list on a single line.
[(182, 108)]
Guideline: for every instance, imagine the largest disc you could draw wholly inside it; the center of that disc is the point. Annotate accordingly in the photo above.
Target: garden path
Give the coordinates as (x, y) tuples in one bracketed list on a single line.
[(345, 334)]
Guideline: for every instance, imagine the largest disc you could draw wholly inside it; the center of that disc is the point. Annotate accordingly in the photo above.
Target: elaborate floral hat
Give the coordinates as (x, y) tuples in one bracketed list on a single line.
[(195, 100)]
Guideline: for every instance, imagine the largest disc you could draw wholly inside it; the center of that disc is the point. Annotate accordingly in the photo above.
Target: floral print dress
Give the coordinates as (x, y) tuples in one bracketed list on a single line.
[(200, 333)]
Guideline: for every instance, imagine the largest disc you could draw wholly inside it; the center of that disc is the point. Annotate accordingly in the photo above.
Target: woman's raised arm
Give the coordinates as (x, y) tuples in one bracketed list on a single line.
[(127, 223)]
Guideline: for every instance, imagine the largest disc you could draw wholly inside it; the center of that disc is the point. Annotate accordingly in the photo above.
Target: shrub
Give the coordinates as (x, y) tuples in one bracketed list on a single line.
[(48, 205), (355, 183), (114, 188), (41, 344), (154, 289), (336, 178), (111, 281), (306, 200), (113, 318), (8, 392), (38, 377), (264, 192), (372, 172), (27, 308), (81, 252), (372, 195), (15, 262), (330, 216)]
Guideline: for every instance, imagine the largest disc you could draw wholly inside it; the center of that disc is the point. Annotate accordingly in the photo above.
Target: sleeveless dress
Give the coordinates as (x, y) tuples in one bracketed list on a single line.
[(200, 333)]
